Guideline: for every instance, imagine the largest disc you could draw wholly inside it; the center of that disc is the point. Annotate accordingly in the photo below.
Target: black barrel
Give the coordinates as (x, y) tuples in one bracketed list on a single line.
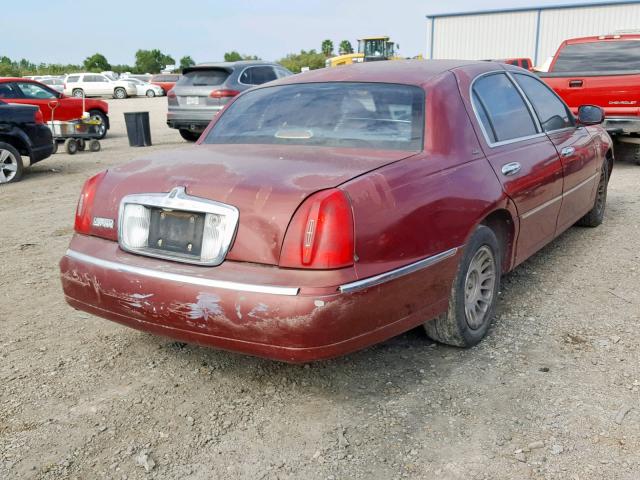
[(138, 129)]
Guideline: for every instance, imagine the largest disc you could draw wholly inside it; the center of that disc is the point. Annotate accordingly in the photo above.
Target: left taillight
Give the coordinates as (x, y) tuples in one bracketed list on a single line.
[(85, 204), (320, 235), (223, 93), (39, 119)]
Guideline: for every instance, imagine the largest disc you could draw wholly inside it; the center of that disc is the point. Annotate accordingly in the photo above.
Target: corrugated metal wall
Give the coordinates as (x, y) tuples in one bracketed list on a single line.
[(513, 34), (558, 25)]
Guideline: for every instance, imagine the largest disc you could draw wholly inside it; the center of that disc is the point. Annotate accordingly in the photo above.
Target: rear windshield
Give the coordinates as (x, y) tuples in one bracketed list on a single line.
[(606, 56), (203, 78), (341, 114)]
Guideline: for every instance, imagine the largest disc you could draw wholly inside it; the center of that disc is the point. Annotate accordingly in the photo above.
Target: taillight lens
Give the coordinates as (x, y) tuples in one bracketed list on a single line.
[(39, 119), (223, 93), (171, 94), (85, 204), (320, 235)]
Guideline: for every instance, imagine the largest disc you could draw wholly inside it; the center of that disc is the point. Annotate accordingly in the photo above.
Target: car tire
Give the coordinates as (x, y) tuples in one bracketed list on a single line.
[(71, 146), (98, 115), (189, 136), (55, 148), (627, 151), (94, 145), (595, 216), (77, 92), (120, 93), (81, 144), (473, 295), (11, 166), (151, 93)]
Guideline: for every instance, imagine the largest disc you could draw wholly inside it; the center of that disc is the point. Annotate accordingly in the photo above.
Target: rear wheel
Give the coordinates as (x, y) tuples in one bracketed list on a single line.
[(151, 93), (473, 295), (98, 116), (595, 216), (120, 93), (77, 92), (11, 167), (189, 136)]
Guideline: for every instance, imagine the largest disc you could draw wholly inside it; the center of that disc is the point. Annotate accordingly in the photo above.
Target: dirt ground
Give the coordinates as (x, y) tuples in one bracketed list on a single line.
[(552, 393)]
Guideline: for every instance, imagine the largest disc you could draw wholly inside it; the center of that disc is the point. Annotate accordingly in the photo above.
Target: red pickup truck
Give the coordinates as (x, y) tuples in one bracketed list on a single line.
[(603, 71)]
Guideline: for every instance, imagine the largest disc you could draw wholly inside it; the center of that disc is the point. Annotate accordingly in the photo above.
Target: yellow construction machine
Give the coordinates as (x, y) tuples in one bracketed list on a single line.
[(370, 49)]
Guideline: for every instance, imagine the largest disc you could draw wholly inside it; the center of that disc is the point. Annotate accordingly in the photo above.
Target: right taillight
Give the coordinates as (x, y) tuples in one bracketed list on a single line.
[(320, 235), (223, 93), (85, 204)]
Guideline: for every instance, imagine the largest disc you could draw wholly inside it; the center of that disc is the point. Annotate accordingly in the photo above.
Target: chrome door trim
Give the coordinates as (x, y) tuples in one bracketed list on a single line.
[(581, 184), (397, 273), (180, 278)]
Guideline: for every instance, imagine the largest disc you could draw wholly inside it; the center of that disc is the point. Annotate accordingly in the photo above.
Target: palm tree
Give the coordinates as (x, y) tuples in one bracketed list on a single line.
[(327, 48)]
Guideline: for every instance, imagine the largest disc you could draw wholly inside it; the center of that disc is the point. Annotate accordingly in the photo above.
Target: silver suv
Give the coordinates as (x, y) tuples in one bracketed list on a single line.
[(202, 91)]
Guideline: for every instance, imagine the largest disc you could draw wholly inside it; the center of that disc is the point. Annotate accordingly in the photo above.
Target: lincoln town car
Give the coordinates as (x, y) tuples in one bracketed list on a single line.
[(328, 211)]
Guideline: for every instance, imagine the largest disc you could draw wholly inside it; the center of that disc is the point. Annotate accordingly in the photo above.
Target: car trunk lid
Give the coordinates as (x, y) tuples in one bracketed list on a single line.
[(266, 183), (195, 88)]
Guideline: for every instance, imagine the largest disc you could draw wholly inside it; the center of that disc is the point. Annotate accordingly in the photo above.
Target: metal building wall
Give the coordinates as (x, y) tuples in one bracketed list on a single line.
[(559, 25), (479, 36)]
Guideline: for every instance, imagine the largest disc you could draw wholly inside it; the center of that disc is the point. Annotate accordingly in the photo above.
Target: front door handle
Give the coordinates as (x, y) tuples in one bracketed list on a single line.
[(511, 168), (567, 151)]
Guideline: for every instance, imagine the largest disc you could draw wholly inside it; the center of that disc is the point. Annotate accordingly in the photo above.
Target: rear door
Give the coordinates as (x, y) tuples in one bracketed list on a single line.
[(578, 154), (522, 156), (604, 73)]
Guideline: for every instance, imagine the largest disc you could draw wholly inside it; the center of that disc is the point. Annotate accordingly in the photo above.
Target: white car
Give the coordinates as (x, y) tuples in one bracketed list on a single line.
[(96, 85), (145, 88), (56, 83)]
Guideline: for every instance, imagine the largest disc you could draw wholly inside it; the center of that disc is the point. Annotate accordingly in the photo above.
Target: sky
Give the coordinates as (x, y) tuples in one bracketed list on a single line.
[(68, 31)]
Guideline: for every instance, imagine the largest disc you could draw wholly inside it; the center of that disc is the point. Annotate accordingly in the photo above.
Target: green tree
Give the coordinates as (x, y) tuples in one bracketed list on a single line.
[(96, 63), (311, 59), (345, 47), (327, 48), (186, 62), (234, 56), (152, 61)]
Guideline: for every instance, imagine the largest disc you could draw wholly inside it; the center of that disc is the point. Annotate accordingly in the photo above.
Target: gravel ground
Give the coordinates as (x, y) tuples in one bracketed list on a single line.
[(552, 393)]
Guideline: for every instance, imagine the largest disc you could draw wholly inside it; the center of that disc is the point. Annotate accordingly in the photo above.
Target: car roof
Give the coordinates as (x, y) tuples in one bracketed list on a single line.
[(228, 65), (409, 72), (599, 38)]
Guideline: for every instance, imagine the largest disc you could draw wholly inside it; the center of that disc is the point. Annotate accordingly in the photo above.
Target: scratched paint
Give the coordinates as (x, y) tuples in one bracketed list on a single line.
[(206, 307)]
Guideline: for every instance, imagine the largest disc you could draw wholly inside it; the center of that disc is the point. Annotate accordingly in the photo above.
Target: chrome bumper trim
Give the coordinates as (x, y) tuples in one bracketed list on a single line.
[(177, 277), (397, 273)]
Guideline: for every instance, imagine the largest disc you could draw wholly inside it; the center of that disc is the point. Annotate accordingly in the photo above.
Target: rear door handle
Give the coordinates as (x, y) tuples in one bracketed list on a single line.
[(567, 151), (511, 168), (575, 83)]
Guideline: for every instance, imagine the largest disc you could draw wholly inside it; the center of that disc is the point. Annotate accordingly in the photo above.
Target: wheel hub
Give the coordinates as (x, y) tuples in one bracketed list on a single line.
[(8, 166), (478, 288)]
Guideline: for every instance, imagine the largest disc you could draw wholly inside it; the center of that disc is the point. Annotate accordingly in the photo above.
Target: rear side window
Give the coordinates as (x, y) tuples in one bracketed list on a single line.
[(9, 90), (552, 113), (73, 78), (501, 109), (337, 114), (204, 78), (257, 75), (283, 72), (605, 56)]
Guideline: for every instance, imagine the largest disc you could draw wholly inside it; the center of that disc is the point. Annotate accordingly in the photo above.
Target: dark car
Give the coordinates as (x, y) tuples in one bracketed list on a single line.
[(331, 210), (24, 140), (202, 91)]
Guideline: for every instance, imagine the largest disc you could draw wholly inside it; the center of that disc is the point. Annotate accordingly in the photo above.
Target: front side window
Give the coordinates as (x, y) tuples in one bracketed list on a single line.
[(552, 113), (337, 114), (604, 56), (501, 109), (35, 91), (257, 75)]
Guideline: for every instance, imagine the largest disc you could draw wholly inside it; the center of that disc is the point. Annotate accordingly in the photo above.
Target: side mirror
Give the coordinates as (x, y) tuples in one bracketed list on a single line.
[(590, 115)]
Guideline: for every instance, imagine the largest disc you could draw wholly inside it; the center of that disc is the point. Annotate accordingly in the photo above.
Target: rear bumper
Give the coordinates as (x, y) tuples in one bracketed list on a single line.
[(292, 322), (41, 152), (622, 125), (194, 120)]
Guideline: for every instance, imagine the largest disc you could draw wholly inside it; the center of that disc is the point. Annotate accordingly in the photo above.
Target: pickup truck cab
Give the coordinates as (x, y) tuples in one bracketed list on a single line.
[(603, 71)]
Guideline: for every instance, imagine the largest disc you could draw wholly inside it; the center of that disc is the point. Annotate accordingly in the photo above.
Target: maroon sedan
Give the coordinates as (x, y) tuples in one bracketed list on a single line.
[(329, 211)]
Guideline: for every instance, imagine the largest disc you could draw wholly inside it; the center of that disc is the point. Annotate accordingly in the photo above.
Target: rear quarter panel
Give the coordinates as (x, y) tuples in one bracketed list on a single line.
[(430, 202)]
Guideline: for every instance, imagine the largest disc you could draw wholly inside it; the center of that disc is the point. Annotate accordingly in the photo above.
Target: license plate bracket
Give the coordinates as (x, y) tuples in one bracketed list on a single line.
[(193, 100), (176, 232)]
